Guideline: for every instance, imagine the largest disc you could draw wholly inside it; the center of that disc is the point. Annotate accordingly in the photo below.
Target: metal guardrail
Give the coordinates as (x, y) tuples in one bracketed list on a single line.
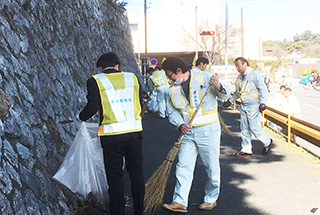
[(298, 127)]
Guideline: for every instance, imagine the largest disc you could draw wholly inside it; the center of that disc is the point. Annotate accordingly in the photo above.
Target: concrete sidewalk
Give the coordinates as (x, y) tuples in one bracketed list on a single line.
[(282, 183)]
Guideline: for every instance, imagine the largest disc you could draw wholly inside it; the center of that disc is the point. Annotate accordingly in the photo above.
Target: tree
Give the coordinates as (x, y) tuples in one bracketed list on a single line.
[(253, 64), (306, 45), (213, 46), (295, 46), (275, 48), (305, 36), (120, 5)]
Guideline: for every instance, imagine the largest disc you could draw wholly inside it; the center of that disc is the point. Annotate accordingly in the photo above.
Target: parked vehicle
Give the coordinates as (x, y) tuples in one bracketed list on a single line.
[(308, 78), (293, 81), (310, 82)]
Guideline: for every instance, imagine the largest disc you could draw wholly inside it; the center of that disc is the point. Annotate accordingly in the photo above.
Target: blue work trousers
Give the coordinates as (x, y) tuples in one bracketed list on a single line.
[(250, 116), (205, 141), (161, 103)]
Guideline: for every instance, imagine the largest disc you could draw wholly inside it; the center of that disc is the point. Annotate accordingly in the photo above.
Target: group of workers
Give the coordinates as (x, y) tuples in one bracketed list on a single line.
[(117, 96)]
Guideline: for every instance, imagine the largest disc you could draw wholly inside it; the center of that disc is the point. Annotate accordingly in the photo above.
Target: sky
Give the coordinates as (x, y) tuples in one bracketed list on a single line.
[(280, 19)]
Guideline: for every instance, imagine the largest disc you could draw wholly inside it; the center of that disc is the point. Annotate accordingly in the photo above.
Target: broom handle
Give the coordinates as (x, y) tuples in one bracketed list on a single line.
[(195, 113)]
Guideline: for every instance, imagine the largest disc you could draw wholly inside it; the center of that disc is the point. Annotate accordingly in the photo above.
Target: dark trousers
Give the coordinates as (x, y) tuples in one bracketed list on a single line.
[(114, 152)]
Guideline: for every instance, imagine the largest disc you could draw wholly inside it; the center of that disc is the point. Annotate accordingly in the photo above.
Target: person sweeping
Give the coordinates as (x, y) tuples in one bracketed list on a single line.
[(201, 137)]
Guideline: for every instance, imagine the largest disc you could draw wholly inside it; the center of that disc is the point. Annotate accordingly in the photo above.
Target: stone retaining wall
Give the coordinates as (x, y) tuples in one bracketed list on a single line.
[(48, 50)]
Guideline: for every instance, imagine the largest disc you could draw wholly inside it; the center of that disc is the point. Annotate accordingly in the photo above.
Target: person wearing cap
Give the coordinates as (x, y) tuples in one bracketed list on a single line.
[(202, 137), (117, 97), (252, 92)]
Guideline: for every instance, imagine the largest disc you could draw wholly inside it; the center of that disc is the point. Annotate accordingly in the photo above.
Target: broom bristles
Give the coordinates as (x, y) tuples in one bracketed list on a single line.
[(156, 184), (224, 128)]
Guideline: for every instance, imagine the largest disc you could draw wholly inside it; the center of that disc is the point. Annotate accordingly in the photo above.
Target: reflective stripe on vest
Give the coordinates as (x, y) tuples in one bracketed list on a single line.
[(159, 80), (187, 109), (244, 89), (120, 106)]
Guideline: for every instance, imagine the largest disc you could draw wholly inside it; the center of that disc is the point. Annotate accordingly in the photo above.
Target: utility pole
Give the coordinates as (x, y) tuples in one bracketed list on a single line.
[(196, 14), (260, 53), (226, 54), (219, 44), (242, 39), (145, 29)]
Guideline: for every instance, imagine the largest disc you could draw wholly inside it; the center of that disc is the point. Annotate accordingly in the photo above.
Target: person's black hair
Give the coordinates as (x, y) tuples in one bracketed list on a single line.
[(173, 63), (150, 70), (202, 60), (288, 89), (157, 68), (242, 59), (282, 86), (108, 60)]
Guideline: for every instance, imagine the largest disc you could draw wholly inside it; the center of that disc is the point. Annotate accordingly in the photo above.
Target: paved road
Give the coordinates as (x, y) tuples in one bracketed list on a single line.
[(282, 183), (309, 100)]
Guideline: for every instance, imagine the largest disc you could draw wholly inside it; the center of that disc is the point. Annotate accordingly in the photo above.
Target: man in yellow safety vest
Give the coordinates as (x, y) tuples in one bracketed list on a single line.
[(201, 64), (201, 137), (116, 96), (161, 84), (252, 92)]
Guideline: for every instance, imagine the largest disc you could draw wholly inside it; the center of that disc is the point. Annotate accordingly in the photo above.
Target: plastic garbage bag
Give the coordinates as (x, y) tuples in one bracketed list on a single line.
[(153, 104), (82, 170)]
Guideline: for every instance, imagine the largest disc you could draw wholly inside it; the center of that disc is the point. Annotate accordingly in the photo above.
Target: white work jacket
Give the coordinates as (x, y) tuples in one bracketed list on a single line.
[(251, 88), (181, 110)]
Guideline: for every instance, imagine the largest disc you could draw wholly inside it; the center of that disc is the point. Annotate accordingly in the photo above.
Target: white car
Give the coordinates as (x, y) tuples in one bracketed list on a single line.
[(293, 81)]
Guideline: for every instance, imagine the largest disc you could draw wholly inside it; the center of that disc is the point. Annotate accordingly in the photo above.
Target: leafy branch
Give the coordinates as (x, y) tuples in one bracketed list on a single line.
[(120, 5)]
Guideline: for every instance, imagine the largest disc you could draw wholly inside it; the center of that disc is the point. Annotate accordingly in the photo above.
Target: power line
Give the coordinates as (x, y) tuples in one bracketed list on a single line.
[(254, 2)]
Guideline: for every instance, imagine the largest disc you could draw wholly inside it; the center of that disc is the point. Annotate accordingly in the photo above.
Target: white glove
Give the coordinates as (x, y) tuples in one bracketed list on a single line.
[(77, 119)]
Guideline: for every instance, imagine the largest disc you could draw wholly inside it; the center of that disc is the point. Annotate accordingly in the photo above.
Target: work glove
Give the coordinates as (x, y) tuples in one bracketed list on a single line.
[(77, 120), (262, 107), (226, 104)]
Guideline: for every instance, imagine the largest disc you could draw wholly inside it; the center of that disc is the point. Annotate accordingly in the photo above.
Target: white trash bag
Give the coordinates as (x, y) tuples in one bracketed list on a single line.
[(82, 170)]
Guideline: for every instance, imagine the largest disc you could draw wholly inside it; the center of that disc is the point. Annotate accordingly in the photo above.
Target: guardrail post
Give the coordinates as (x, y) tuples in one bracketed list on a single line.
[(234, 105), (263, 120), (295, 126), (289, 127)]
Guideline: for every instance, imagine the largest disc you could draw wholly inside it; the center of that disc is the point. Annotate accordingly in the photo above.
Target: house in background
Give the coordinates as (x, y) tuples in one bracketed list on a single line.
[(168, 30)]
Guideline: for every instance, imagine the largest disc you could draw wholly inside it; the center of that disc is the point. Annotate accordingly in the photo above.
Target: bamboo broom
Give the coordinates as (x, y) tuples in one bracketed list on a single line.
[(145, 105), (223, 126), (156, 184)]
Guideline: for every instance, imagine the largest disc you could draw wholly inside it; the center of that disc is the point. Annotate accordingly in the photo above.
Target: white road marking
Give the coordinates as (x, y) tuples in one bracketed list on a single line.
[(312, 106)]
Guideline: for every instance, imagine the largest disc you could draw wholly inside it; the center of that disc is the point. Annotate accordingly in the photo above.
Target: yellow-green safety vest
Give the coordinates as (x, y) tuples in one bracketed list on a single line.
[(119, 93), (242, 87), (187, 108), (159, 80)]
